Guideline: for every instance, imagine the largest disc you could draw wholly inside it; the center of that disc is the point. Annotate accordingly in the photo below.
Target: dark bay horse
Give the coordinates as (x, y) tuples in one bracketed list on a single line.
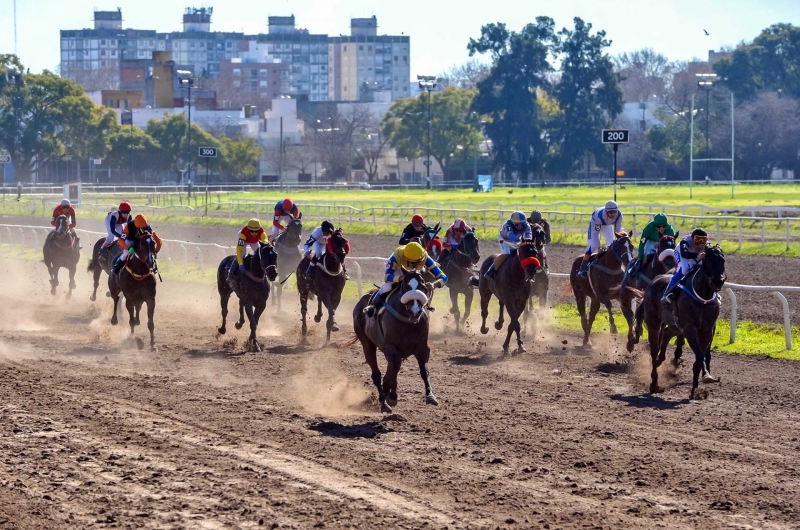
[(137, 282), (512, 285), (61, 250), (692, 315), (660, 263), (458, 267), (287, 246), (431, 243), (327, 282), (102, 261), (605, 273), (252, 289), (399, 331), (541, 284)]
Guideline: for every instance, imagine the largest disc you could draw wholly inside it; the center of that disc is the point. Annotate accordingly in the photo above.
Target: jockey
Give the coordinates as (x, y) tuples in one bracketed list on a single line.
[(65, 208), (511, 234), (414, 229), (315, 246), (250, 236), (134, 229), (690, 252), (411, 257), (453, 237), (651, 235), (115, 222), (605, 221), (537, 219), (285, 210)]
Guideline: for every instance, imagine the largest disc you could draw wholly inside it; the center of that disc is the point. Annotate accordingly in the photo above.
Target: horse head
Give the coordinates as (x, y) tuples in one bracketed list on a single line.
[(62, 225), (539, 236), (471, 248), (146, 250), (666, 250), (528, 257), (268, 259), (714, 267), (294, 229), (338, 245), (413, 293), (622, 247)]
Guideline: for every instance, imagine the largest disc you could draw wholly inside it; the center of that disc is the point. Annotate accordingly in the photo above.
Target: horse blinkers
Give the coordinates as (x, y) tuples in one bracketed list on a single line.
[(269, 263)]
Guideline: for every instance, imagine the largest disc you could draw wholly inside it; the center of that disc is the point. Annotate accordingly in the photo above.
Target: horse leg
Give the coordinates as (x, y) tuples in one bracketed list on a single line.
[(114, 314), (654, 330), (223, 302), (593, 309), (486, 296), (692, 337), (131, 307), (304, 312), (580, 301), (514, 325), (679, 342), (627, 312), (151, 310), (454, 309), (430, 398), (499, 324), (252, 343), (138, 311), (390, 378), (707, 377), (330, 324), (371, 356), (318, 316), (258, 308), (468, 295), (53, 270), (96, 279), (240, 322), (612, 325), (665, 336)]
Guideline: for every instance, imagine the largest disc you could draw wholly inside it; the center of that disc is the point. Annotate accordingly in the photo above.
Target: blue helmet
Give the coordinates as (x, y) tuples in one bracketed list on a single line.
[(518, 218)]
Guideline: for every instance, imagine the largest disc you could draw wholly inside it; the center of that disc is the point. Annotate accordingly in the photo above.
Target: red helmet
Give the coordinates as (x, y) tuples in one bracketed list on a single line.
[(124, 207), (460, 225), (417, 219), (288, 205)]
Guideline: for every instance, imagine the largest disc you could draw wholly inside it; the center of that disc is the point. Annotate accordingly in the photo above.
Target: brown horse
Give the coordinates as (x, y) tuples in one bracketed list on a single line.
[(326, 282), (61, 250), (251, 287), (660, 263), (606, 270), (541, 285), (458, 265), (102, 261), (692, 315), (138, 283), (512, 285), (399, 331)]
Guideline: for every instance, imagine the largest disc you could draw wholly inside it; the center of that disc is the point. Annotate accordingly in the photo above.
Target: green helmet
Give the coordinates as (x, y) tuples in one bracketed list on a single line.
[(660, 219)]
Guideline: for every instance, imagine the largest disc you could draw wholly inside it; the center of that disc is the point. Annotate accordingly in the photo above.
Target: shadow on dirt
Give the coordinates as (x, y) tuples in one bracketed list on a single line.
[(613, 368), (649, 401), (89, 351), (482, 360), (214, 354), (370, 429), (287, 350)]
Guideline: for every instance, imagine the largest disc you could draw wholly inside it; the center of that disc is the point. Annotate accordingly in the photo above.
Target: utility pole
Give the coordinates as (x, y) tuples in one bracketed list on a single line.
[(185, 78), (280, 155), (427, 83)]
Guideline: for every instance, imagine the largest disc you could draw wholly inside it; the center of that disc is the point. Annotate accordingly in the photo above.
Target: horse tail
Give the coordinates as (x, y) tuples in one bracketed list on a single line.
[(638, 320), (352, 341), (638, 293), (93, 265), (567, 290)]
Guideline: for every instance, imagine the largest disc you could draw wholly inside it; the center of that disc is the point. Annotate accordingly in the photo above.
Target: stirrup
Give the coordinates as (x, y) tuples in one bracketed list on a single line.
[(369, 311), (667, 298)]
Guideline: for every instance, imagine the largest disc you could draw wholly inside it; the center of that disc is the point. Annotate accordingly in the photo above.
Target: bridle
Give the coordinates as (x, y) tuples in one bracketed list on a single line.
[(616, 249)]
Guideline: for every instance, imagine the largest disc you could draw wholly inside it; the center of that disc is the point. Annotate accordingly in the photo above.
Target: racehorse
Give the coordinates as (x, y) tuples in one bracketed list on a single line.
[(663, 261), (605, 273), (399, 331), (252, 289), (287, 245), (326, 282), (512, 285), (102, 261), (458, 268), (692, 315), (431, 243), (61, 250), (138, 283), (541, 285)]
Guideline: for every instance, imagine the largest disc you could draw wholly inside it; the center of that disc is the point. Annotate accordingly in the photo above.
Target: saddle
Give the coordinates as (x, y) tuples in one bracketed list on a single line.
[(501, 259)]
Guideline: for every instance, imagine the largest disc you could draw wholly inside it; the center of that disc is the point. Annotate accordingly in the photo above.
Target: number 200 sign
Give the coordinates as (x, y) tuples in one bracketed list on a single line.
[(615, 136)]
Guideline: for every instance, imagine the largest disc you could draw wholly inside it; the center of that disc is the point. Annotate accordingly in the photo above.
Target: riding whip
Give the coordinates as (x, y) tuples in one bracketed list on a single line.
[(287, 277)]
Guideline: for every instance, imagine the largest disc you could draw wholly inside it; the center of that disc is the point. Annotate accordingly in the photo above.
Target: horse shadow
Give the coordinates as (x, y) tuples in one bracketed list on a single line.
[(485, 359), (89, 351), (649, 401), (283, 349), (613, 368), (370, 429), (214, 354)]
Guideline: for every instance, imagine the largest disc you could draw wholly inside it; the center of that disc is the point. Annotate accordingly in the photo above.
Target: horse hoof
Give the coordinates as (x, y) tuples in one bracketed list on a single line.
[(614, 331), (655, 389), (53, 291), (222, 330), (386, 408), (431, 400), (153, 348), (136, 322), (239, 325), (708, 378), (93, 298), (484, 330), (392, 402), (114, 320), (676, 362), (108, 294), (629, 347), (335, 327), (139, 344), (498, 326), (520, 349), (317, 318)]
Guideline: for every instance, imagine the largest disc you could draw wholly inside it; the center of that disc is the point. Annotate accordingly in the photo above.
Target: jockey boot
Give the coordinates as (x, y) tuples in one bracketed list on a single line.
[(584, 267), (78, 241), (118, 264), (671, 286), (344, 269), (372, 309), (311, 264)]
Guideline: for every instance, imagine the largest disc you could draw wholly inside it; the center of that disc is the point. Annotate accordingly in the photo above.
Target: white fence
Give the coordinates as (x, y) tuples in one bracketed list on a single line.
[(205, 252)]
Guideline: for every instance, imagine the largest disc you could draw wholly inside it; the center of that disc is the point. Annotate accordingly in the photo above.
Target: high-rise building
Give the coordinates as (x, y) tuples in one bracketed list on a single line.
[(366, 64)]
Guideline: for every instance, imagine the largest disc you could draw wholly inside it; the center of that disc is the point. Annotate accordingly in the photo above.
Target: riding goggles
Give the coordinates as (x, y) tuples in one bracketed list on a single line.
[(414, 264), (612, 213), (660, 226), (700, 240), (519, 225)]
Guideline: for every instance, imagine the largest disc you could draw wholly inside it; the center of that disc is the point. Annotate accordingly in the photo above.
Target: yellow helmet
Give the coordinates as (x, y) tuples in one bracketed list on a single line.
[(254, 224), (413, 252), (140, 221)]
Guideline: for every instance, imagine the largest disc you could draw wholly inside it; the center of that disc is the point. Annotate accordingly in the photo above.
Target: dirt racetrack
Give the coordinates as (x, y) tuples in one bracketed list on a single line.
[(96, 434)]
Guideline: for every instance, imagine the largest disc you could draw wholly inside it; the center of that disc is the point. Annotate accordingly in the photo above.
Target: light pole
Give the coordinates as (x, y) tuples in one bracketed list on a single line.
[(706, 82), (427, 83), (185, 78)]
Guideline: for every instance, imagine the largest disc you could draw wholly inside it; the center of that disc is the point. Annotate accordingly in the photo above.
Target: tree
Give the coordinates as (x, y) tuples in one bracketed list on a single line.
[(94, 79), (371, 146), (508, 96), (132, 148), (771, 62), (240, 157), (301, 156), (466, 76), (336, 145), (644, 73), (170, 133), (454, 127), (48, 117), (588, 92)]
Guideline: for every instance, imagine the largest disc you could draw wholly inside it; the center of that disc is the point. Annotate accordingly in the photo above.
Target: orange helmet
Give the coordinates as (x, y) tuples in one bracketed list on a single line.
[(140, 221)]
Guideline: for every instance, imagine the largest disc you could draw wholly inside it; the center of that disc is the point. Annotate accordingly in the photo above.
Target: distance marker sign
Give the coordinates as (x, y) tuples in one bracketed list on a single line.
[(208, 152), (615, 136)]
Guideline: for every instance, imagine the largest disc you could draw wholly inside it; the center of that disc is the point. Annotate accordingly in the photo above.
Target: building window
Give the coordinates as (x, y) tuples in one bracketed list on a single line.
[(236, 84), (345, 48), (237, 72), (228, 45), (369, 48), (102, 43), (262, 72)]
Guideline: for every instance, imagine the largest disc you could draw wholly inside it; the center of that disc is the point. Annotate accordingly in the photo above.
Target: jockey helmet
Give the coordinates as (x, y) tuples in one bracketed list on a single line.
[(140, 221), (124, 207), (417, 219), (611, 205), (460, 225), (518, 218), (327, 227), (287, 205), (65, 203), (699, 237), (660, 219), (536, 216), (254, 224), (414, 252)]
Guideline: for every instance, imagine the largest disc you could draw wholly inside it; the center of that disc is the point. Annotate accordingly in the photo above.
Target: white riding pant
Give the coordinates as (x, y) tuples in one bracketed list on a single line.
[(252, 246), (385, 288), (595, 232), (507, 248), (650, 247), (317, 249), (110, 238), (685, 265)]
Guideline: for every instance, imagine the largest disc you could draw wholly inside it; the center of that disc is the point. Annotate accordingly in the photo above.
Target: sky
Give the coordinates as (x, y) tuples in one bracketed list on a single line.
[(439, 29)]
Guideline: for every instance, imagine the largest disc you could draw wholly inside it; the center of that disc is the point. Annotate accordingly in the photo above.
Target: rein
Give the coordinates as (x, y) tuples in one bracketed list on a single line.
[(138, 277), (321, 265)]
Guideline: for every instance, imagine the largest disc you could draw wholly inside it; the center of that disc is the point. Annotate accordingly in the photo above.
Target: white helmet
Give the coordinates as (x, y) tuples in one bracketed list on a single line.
[(65, 203), (611, 205)]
